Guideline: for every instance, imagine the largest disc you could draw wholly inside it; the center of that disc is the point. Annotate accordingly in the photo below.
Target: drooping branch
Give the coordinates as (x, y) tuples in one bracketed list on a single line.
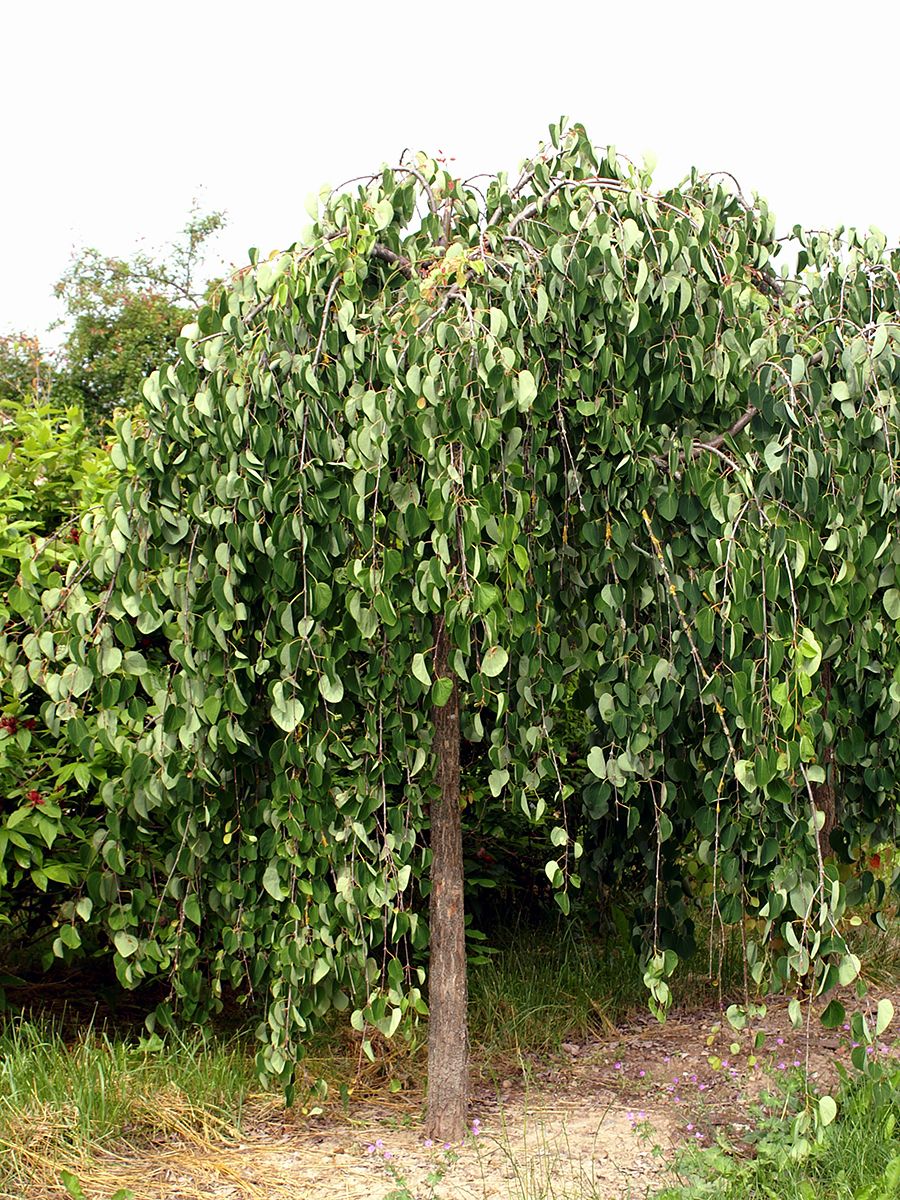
[(715, 442), (392, 258), (713, 445)]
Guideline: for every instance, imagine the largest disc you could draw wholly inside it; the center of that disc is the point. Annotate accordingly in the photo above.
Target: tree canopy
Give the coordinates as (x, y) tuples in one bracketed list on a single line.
[(515, 446)]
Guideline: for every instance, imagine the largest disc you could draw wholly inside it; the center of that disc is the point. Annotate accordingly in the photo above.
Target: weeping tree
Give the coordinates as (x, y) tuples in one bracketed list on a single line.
[(462, 457)]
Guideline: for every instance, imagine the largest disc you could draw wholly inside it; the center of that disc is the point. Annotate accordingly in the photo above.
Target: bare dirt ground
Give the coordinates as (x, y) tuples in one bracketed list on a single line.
[(604, 1119)]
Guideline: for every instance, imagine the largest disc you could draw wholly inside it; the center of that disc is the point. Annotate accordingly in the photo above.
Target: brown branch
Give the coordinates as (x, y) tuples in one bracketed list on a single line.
[(712, 445), (392, 258), (715, 442)]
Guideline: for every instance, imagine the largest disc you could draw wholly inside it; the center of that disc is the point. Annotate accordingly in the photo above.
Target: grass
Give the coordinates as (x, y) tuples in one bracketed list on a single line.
[(541, 988), (62, 1101), (858, 1157), (558, 983)]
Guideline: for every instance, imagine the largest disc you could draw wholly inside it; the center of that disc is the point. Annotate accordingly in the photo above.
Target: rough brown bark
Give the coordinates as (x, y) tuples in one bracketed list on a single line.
[(448, 1041)]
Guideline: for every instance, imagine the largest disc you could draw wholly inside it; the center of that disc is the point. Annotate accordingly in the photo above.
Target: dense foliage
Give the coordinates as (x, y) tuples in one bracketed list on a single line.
[(51, 472), (591, 436)]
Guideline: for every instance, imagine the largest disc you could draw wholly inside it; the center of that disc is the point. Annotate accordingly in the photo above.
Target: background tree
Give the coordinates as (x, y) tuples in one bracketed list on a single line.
[(124, 316), (455, 463), (24, 368)]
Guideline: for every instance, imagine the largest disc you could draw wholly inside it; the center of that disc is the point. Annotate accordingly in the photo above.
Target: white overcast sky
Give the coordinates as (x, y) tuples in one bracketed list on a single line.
[(115, 115)]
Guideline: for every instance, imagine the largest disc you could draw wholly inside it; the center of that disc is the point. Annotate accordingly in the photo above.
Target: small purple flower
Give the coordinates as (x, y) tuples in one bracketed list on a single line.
[(699, 1136), (641, 1074), (388, 1154), (428, 1143), (446, 1146), (690, 1125), (782, 1066), (617, 1066), (370, 1149), (701, 1087), (779, 1041), (379, 1144), (796, 1062)]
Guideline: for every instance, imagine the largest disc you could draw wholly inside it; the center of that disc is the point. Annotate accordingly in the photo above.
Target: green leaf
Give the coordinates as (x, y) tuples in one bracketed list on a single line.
[(486, 596), (497, 781), (892, 603), (499, 323), (272, 883), (596, 762), (71, 1184), (827, 1109), (383, 214), (809, 652), (441, 691), (70, 936), (773, 455), (494, 661), (848, 969), (192, 908), (543, 305), (526, 390), (834, 1015), (125, 944), (744, 774), (884, 1016), (420, 670), (287, 712), (331, 689), (736, 1016)]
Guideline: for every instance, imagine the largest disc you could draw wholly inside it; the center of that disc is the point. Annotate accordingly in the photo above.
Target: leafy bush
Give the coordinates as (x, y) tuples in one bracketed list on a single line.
[(50, 474)]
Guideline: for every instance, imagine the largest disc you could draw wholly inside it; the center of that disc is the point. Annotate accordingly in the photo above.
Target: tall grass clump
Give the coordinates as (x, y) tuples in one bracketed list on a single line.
[(62, 1099)]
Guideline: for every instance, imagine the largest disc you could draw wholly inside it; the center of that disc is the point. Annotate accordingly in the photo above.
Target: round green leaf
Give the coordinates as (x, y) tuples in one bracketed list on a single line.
[(827, 1109), (125, 943), (331, 689), (494, 661)]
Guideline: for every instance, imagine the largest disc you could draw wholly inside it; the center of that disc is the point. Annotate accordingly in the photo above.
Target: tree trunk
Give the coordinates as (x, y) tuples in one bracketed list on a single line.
[(448, 1042), (824, 792)]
